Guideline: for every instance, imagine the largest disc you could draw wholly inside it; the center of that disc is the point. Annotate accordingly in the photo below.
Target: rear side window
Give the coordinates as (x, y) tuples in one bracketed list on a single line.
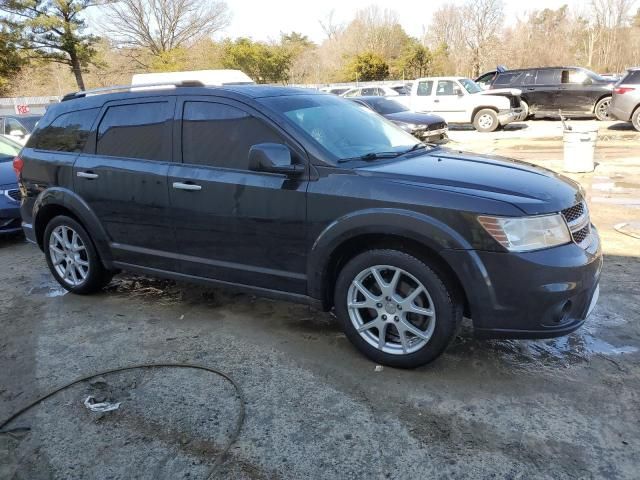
[(141, 130), (220, 135), (424, 88), (548, 77), (632, 77), (67, 133)]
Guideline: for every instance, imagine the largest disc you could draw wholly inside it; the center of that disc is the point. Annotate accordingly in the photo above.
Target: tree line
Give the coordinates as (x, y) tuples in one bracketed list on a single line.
[(134, 36)]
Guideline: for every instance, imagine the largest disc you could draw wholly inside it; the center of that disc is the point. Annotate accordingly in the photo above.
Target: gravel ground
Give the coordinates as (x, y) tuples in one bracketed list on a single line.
[(315, 408)]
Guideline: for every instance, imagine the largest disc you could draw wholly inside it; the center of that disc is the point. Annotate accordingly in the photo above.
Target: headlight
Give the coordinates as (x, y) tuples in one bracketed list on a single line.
[(523, 234)]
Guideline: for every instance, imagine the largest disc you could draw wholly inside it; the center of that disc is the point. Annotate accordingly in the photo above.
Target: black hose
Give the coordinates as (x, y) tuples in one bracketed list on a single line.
[(225, 450)]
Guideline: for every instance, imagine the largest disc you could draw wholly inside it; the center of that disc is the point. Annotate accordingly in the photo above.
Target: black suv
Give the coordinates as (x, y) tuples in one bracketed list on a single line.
[(576, 91), (308, 197)]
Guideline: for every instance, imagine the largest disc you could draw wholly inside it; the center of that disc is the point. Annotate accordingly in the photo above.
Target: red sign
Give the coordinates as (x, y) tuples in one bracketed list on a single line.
[(22, 109)]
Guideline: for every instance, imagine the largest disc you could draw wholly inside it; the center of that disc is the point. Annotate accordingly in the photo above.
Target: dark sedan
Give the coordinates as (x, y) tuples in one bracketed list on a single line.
[(427, 127), (9, 193)]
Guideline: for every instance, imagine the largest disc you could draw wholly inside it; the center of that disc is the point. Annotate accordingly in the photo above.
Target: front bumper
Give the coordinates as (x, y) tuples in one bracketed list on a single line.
[(542, 294), (432, 136), (507, 116)]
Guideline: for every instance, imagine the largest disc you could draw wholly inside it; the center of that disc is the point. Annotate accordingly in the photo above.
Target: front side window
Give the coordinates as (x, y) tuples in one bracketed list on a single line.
[(220, 135), (139, 130), (67, 133), (445, 87), (506, 79), (424, 88), (343, 128)]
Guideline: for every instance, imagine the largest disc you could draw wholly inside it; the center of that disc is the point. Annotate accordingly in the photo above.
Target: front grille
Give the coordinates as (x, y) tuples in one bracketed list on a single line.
[(14, 194), (437, 126), (577, 218)]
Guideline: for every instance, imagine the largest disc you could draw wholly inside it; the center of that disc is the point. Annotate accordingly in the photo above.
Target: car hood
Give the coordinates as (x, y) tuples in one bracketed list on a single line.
[(7, 175), (532, 189), (413, 117)]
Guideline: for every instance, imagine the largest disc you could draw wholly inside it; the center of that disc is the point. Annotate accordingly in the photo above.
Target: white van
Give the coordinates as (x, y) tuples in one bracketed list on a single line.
[(207, 77)]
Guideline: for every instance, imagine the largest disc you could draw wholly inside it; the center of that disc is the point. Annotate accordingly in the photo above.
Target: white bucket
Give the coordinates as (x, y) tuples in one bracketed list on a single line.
[(579, 149)]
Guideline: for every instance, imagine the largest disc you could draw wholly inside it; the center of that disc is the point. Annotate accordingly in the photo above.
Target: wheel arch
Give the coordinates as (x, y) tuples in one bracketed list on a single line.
[(416, 234), (58, 201)]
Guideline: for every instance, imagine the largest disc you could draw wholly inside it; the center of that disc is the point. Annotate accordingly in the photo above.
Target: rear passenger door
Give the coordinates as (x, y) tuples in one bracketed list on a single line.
[(422, 101), (542, 94), (123, 177), (232, 223)]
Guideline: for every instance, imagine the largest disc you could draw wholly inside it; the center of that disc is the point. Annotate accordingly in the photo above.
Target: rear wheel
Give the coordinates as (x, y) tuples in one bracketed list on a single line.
[(525, 110), (72, 258), (635, 119), (395, 309), (602, 109), (486, 120)]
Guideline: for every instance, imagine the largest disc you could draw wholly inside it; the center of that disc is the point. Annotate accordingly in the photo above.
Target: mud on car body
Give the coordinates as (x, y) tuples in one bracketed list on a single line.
[(401, 239)]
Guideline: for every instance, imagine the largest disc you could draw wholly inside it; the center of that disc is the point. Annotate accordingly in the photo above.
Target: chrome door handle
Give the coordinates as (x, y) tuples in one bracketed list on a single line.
[(186, 186), (88, 175)]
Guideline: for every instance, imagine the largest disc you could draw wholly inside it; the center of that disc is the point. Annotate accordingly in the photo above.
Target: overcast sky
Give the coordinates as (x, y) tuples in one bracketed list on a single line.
[(265, 19)]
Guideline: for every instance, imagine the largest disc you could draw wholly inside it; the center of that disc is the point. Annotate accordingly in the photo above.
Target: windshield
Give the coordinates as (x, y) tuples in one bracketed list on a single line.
[(345, 129), (470, 86), (384, 106), (594, 75), (8, 149)]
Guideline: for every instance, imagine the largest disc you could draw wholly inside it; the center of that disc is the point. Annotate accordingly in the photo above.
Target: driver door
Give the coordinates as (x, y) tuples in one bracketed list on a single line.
[(450, 101)]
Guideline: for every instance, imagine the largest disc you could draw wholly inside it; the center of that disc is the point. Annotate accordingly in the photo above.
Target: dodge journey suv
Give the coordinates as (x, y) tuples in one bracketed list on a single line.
[(308, 197)]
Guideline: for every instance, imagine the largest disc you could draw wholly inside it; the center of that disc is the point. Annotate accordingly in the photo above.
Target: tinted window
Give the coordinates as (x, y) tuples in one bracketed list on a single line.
[(67, 133), (136, 131), (220, 135), (548, 77), (369, 91), (424, 88), (507, 78), (528, 78), (30, 122), (385, 106), (12, 125), (632, 77), (486, 79)]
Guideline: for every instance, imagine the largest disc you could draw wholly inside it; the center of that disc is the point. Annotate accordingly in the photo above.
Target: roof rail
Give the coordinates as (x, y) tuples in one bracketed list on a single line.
[(129, 88)]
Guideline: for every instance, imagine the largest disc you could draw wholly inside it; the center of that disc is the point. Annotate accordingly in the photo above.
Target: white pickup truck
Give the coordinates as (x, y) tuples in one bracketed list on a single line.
[(461, 100)]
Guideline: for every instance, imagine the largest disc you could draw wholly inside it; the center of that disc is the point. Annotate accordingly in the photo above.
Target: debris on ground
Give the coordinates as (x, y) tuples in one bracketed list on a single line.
[(100, 407)]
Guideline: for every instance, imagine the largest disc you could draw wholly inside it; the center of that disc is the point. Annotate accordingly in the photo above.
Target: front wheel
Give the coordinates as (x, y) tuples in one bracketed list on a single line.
[(395, 309), (486, 120), (635, 119), (602, 109), (72, 258)]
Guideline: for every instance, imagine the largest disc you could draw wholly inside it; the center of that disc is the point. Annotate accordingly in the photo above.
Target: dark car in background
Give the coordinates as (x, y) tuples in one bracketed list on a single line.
[(9, 192), (18, 127), (576, 91), (625, 104), (424, 126), (305, 196)]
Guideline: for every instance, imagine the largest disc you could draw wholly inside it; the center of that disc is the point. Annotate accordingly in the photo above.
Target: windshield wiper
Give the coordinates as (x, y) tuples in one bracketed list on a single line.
[(372, 156), (414, 148)]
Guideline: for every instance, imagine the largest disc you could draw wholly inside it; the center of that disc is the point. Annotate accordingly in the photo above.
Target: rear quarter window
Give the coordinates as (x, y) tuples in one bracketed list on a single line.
[(67, 133), (632, 77)]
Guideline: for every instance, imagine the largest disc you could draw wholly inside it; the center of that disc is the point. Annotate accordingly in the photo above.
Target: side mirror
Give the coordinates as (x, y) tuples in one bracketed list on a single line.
[(17, 133), (273, 158)]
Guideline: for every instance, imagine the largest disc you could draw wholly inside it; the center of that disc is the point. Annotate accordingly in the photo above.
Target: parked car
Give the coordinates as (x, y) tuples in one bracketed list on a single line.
[(576, 91), (335, 90), (424, 126), (18, 127), (461, 100), (373, 91), (309, 197), (625, 104), (9, 192), (402, 89)]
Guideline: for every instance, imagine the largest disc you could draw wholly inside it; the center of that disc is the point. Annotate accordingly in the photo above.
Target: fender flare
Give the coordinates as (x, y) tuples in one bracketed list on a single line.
[(416, 226), (65, 198)]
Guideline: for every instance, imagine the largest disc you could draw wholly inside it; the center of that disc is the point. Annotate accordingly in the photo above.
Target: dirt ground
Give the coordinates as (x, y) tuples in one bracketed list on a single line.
[(315, 408)]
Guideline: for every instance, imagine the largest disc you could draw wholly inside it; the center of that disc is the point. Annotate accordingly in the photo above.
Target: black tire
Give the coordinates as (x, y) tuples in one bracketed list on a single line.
[(448, 311), (97, 277), (635, 119), (602, 109), (481, 120)]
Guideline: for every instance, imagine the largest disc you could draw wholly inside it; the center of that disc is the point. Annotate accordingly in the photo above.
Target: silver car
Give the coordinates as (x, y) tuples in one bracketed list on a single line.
[(625, 104)]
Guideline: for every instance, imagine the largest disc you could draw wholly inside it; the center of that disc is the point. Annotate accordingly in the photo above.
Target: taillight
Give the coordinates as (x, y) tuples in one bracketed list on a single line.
[(18, 163), (622, 90)]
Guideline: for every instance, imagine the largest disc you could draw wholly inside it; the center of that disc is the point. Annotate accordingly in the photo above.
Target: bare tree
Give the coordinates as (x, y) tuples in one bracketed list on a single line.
[(330, 28), (160, 26), (482, 22)]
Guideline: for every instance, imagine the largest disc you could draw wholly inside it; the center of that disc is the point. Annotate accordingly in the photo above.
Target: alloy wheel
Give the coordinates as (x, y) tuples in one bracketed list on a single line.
[(485, 121), (603, 110), (69, 255), (391, 309)]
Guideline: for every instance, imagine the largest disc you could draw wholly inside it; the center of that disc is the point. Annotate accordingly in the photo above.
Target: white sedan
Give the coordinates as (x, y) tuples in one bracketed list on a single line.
[(370, 91)]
